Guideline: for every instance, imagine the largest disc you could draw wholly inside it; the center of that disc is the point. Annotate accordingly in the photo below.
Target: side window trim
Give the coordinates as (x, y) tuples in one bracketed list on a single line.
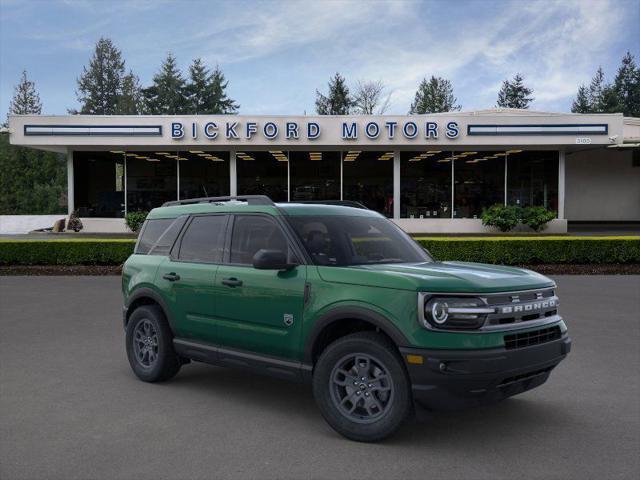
[(174, 255), (291, 242)]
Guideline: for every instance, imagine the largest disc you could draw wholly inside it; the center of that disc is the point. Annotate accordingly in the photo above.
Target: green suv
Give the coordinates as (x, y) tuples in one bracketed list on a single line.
[(337, 296)]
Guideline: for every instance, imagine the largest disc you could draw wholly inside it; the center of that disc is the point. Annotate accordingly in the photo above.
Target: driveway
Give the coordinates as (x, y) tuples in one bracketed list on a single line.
[(70, 408)]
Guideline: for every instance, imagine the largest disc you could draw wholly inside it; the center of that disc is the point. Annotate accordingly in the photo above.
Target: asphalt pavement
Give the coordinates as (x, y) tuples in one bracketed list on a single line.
[(70, 408)]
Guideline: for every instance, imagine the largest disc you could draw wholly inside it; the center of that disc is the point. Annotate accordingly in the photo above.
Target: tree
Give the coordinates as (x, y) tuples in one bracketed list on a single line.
[(596, 91), (581, 104), (100, 85), (514, 94), (206, 92), (167, 95), (627, 86), (219, 102), (337, 101), (31, 181), (25, 99), (433, 96), (370, 98), (130, 101)]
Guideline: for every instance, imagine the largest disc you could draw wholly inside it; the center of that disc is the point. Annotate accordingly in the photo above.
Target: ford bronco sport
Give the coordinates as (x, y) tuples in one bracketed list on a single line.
[(337, 296)]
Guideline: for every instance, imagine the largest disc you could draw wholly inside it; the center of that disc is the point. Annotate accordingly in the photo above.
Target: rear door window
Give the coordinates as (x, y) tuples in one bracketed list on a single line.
[(203, 240)]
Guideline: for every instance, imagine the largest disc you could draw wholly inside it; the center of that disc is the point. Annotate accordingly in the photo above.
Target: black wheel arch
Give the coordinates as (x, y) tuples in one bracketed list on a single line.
[(147, 296), (351, 313)]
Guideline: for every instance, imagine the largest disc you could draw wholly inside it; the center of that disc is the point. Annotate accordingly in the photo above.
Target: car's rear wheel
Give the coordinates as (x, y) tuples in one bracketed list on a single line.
[(150, 346), (361, 387)]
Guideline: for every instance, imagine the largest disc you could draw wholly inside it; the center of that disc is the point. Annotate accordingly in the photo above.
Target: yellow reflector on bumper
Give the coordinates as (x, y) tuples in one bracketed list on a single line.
[(415, 359)]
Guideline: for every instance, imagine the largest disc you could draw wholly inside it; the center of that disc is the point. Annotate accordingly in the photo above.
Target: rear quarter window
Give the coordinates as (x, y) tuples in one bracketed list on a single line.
[(151, 232)]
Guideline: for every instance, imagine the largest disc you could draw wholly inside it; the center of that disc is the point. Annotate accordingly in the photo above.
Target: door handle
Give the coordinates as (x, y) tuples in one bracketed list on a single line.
[(172, 277), (231, 282)]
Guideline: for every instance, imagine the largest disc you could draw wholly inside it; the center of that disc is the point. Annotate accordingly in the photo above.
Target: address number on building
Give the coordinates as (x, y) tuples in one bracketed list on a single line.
[(583, 141)]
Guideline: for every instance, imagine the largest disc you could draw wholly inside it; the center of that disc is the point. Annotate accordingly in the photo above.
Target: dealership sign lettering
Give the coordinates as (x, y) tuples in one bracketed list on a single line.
[(349, 130)]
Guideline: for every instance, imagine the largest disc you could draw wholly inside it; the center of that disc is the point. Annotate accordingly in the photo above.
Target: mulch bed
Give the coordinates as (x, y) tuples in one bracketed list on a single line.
[(548, 269)]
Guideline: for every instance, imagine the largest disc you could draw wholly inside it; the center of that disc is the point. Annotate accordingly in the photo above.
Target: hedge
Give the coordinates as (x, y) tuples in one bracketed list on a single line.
[(535, 250), (499, 250), (65, 252)]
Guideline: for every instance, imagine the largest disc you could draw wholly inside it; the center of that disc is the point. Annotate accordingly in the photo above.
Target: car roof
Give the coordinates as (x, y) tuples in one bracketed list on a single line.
[(292, 209)]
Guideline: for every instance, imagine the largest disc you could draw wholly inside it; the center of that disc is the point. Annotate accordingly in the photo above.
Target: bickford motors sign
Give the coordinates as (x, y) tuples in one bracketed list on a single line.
[(294, 130)]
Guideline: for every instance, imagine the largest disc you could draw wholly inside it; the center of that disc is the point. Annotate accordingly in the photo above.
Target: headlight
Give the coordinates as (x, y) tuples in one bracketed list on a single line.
[(455, 313)]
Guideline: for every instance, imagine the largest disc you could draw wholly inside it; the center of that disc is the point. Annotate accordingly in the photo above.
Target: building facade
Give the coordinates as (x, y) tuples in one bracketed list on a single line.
[(429, 173)]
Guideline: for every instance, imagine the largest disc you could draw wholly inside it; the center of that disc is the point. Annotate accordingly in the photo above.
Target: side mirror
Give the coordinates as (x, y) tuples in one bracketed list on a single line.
[(271, 260)]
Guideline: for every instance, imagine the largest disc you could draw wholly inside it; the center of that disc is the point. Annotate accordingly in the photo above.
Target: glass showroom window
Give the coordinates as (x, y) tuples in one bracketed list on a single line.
[(425, 184), (367, 177), (532, 178), (315, 175), (151, 179), (262, 173), (203, 174), (99, 183), (478, 182)]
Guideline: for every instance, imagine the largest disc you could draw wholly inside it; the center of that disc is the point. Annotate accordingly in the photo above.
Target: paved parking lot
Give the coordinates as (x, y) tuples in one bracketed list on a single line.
[(71, 409)]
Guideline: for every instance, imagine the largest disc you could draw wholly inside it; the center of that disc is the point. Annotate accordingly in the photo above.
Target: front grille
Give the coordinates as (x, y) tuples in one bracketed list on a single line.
[(534, 337), (519, 307)]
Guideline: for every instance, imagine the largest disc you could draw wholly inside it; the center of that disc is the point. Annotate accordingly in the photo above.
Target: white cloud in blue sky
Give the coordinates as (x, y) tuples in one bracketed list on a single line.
[(275, 54)]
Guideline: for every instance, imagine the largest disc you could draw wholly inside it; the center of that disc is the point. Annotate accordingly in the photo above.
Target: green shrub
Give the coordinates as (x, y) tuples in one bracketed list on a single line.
[(65, 252), (537, 217), (498, 250), (134, 220), (503, 217), (535, 250)]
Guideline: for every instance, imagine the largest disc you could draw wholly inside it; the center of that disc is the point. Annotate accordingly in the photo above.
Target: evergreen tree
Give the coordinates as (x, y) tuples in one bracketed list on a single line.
[(31, 181), (25, 99), (433, 96), (514, 94), (130, 101), (338, 101), (206, 92), (167, 95), (581, 104), (219, 102), (196, 89), (596, 91), (100, 85), (627, 86)]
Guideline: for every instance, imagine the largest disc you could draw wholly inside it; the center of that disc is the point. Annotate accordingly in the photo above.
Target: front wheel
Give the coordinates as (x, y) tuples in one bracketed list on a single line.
[(361, 387), (150, 345)]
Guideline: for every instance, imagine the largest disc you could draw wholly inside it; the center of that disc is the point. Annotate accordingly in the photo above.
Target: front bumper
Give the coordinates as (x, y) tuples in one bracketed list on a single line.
[(451, 379)]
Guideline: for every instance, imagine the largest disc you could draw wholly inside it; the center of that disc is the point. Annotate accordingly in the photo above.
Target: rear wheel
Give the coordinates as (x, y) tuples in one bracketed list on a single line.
[(361, 387), (150, 345)]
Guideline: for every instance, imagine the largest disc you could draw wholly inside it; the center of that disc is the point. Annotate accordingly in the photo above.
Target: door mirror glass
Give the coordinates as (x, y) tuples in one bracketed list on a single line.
[(265, 259)]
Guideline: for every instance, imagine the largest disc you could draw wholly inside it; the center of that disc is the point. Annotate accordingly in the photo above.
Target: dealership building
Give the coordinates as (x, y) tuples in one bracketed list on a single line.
[(429, 173)]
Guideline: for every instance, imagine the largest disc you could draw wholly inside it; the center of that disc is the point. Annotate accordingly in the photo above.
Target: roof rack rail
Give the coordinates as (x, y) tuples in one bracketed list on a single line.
[(250, 199), (342, 203)]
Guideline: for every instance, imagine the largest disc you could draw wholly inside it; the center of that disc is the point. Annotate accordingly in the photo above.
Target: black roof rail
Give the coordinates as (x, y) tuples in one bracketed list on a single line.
[(250, 199), (342, 203)]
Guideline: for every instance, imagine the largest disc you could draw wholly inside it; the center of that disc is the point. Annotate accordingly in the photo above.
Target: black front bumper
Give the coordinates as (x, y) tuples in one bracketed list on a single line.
[(451, 379)]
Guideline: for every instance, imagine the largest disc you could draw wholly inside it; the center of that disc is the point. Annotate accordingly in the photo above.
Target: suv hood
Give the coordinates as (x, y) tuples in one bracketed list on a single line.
[(454, 277)]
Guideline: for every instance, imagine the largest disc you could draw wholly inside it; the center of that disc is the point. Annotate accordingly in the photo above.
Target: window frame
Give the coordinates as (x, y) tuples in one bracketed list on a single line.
[(174, 255)]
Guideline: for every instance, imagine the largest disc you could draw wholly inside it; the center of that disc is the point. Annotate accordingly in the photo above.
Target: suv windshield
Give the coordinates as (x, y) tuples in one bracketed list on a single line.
[(350, 240)]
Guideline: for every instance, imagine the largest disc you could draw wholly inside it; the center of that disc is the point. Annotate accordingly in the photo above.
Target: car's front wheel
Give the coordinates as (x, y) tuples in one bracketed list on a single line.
[(361, 387), (150, 345)]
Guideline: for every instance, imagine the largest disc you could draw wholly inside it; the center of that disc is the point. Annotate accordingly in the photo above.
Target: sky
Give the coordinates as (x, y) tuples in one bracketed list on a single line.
[(275, 54)]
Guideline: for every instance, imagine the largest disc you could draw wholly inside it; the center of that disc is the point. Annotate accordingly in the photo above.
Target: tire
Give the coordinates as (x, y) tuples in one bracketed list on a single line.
[(150, 345), (369, 410)]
